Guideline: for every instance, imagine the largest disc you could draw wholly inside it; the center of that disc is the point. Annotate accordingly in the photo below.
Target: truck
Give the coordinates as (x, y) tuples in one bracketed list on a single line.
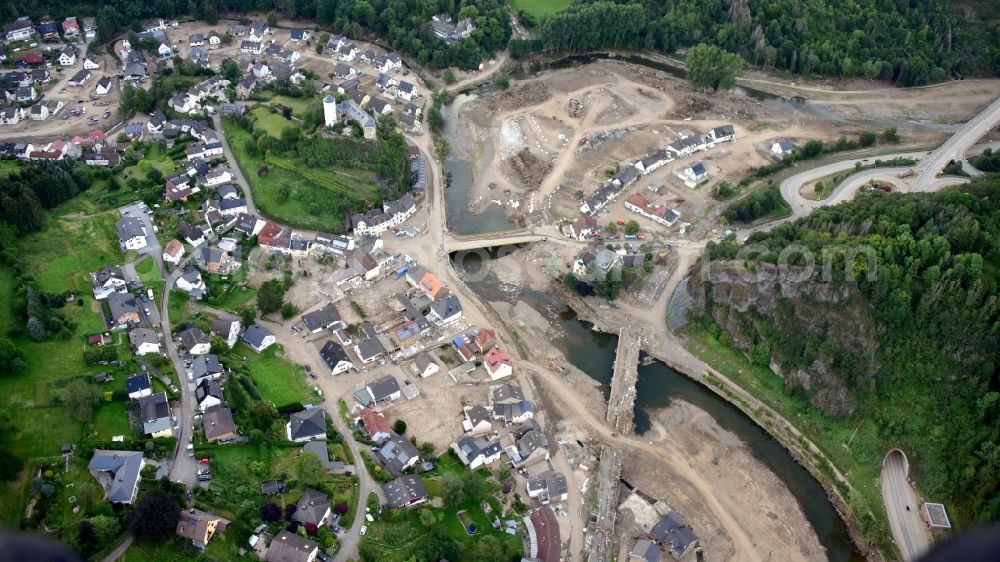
[(631, 237)]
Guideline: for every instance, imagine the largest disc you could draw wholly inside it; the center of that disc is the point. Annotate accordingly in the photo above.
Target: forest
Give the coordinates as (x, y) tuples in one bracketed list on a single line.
[(38, 186), (910, 43), (406, 25), (919, 359)]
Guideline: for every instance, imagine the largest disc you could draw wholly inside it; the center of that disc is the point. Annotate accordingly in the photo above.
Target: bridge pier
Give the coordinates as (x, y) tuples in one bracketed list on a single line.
[(621, 402)]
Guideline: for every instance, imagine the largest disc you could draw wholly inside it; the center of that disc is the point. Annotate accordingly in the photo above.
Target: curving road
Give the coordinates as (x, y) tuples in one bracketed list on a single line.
[(956, 146), (903, 507)]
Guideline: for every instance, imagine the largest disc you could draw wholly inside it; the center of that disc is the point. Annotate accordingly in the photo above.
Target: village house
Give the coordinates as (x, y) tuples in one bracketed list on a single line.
[(173, 252), (143, 341), (475, 452), (215, 260), (335, 357), (138, 385), (218, 424), (190, 281), (425, 365), (657, 213), (118, 473), (258, 338), (405, 491), (397, 454), (376, 426), (289, 547), (206, 367), (104, 86), (107, 280), (228, 330), (445, 30), (384, 389), (548, 487), (497, 364), (199, 527), (478, 420), (68, 56), (131, 233), (194, 340), (782, 147), (208, 393), (306, 425), (154, 413), (124, 309)]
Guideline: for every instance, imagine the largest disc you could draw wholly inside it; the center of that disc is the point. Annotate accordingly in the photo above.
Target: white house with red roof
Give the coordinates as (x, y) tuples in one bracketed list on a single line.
[(498, 364)]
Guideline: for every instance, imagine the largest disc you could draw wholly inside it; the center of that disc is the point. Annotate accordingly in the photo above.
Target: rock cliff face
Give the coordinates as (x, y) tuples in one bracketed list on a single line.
[(819, 334)]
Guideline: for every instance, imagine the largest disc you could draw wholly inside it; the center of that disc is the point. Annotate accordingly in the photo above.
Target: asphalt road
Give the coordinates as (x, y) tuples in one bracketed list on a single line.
[(184, 468), (956, 146), (909, 530), (234, 165)]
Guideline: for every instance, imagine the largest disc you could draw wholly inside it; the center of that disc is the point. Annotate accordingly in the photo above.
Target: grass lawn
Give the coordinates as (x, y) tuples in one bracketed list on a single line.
[(314, 199), (178, 308), (63, 255), (539, 8), (279, 381), (272, 122), (110, 419), (154, 157), (150, 275), (298, 105), (233, 298), (175, 550)]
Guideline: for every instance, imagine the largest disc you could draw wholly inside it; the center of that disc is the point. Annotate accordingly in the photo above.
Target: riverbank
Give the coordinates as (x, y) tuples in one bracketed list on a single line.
[(856, 498), (686, 458)]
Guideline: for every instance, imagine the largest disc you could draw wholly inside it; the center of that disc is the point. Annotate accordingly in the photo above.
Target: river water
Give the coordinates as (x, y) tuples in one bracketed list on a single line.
[(594, 352)]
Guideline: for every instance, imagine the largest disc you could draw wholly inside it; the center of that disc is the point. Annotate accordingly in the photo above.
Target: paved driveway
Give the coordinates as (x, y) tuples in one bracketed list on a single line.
[(152, 249)]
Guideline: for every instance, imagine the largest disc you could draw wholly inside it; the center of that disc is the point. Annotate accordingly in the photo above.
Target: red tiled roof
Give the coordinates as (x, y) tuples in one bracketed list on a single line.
[(547, 534), (495, 358), (374, 422)]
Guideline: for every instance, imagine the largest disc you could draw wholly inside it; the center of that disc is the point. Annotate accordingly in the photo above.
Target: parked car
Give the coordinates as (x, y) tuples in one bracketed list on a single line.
[(364, 529)]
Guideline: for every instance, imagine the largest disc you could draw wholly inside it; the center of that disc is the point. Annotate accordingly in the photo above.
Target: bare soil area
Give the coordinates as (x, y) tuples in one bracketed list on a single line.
[(539, 148)]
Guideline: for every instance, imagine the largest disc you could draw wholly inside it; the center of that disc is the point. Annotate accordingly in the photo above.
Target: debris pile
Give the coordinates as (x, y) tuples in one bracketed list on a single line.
[(575, 108), (594, 140), (529, 170)]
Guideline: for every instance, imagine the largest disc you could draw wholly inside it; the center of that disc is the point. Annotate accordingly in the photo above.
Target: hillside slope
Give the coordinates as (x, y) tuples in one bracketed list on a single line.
[(905, 347)]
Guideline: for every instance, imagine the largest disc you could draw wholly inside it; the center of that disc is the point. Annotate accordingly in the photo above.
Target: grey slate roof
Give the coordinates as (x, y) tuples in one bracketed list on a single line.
[(308, 423), (333, 353), (447, 306), (154, 412), (206, 388), (254, 335), (672, 531), (311, 507), (125, 468), (206, 365), (396, 453), (322, 318), (507, 394), (192, 336), (402, 490)]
